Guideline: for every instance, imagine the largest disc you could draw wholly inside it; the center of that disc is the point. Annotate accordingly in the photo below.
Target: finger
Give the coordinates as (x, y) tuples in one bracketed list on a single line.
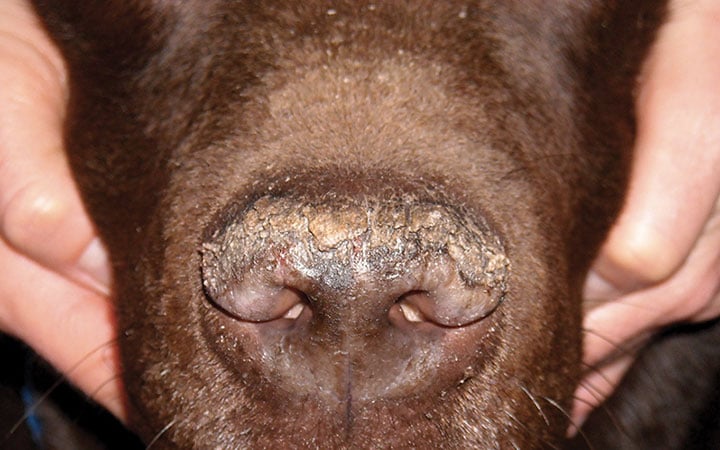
[(617, 329), (609, 327), (41, 214), (71, 327), (675, 179), (595, 388), (17, 18), (692, 294)]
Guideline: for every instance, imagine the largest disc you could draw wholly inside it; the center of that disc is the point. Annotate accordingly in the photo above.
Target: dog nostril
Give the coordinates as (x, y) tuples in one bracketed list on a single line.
[(408, 306), (445, 300), (252, 300), (298, 299)]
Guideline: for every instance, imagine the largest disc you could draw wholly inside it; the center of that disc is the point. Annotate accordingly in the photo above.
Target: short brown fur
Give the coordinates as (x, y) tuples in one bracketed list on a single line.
[(519, 112)]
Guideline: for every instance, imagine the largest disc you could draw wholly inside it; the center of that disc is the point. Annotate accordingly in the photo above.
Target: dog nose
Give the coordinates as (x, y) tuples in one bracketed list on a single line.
[(351, 301), (360, 261)]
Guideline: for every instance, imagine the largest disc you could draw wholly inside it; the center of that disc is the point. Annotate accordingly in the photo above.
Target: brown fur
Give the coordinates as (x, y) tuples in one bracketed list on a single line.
[(518, 112)]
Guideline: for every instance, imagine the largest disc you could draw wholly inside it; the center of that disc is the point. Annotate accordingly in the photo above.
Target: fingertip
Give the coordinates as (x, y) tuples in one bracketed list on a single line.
[(42, 213), (675, 176), (635, 256), (45, 221)]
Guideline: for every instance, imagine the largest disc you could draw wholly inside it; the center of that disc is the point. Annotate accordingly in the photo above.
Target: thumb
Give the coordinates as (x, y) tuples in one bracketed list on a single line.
[(41, 215)]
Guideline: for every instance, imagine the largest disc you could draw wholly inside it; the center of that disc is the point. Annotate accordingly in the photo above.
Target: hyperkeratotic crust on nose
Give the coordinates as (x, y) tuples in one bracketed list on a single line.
[(339, 240)]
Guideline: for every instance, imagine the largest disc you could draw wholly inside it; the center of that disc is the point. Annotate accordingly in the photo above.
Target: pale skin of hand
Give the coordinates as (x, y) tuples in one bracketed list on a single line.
[(661, 263), (55, 275)]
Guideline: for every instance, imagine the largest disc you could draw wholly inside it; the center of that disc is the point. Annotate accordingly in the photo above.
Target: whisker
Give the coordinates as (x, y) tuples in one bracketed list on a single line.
[(533, 399), (519, 424), (516, 420), (537, 404), (595, 392), (610, 415), (160, 433), (592, 391), (627, 348), (33, 402), (565, 413)]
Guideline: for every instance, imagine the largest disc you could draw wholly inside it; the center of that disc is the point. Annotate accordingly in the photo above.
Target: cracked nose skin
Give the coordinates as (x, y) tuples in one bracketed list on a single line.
[(359, 298)]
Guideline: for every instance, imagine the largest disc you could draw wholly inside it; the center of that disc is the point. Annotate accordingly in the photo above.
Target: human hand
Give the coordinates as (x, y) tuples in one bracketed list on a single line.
[(661, 261), (55, 276)]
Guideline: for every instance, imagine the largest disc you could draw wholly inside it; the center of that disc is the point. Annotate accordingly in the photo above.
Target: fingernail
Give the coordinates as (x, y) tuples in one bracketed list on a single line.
[(598, 288), (93, 267)]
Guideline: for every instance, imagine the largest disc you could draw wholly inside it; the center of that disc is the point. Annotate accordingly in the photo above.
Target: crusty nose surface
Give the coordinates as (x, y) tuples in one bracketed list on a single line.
[(356, 299)]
